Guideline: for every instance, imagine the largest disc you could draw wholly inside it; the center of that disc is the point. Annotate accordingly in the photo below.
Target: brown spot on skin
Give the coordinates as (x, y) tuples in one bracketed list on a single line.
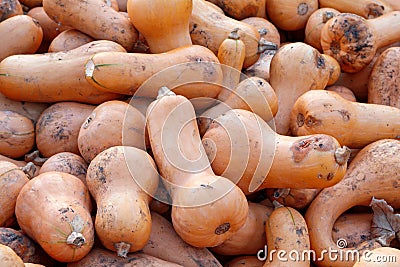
[(223, 228), (302, 147), (302, 9), (345, 115), (300, 119), (311, 121), (375, 10)]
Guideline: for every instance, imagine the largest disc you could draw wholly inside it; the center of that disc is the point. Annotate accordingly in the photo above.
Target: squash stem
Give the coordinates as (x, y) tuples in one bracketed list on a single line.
[(76, 239), (122, 249), (165, 91), (29, 169), (264, 45), (342, 155)]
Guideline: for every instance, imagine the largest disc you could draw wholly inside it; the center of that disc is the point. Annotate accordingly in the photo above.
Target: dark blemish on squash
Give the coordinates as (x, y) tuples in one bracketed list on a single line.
[(320, 62), (335, 47), (223, 228), (345, 114), (301, 148), (302, 9), (89, 120), (311, 121), (329, 176), (63, 210), (300, 120), (299, 232), (100, 174)]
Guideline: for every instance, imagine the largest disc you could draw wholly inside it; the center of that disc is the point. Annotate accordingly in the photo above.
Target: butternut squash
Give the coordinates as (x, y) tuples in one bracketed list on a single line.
[(95, 18), (355, 228), (12, 179), (290, 15), (286, 230), (33, 77), (353, 40), (66, 162), (250, 238), (244, 148), (58, 220), (326, 112), (366, 8), (163, 23), (261, 68), (122, 180), (242, 9), (165, 244), (343, 91), (334, 69), (113, 123), (68, 40), (58, 127), (266, 29), (207, 209), (20, 34), (50, 28), (383, 87), (253, 94), (231, 54), (192, 71), (379, 257), (9, 8), (297, 198), (372, 173), (210, 28), (9, 258), (100, 257), (308, 64), (315, 23), (17, 134), (245, 261)]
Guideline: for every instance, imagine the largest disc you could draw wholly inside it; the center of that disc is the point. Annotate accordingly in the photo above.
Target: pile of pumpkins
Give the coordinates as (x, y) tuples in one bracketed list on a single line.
[(199, 133)]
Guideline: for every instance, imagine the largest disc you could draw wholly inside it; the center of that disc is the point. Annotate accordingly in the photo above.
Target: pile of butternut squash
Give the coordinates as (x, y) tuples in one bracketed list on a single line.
[(199, 133)]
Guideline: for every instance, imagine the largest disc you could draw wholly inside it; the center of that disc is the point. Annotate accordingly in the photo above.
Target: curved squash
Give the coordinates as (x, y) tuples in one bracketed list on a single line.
[(355, 228), (9, 258), (207, 209), (366, 8)]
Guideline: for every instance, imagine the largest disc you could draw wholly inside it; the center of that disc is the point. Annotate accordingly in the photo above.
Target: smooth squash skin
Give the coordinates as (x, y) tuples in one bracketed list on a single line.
[(68, 40), (261, 68), (297, 198), (54, 77), (383, 85), (290, 62), (99, 257), (9, 258), (244, 148), (334, 69), (164, 243), (326, 112), (12, 179), (122, 180), (372, 173), (353, 41), (380, 257), (286, 230), (368, 9), (251, 237), (95, 18), (355, 228), (210, 28), (164, 23), (58, 220), (238, 9), (192, 71), (207, 209), (19, 34), (58, 127), (10, 8), (343, 91)]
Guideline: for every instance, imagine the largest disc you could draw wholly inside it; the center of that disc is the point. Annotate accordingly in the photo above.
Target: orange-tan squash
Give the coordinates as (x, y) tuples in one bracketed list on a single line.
[(297, 198), (265, 28), (261, 68), (379, 257), (334, 69), (366, 8), (31, 3), (239, 10), (355, 228), (68, 40), (343, 91), (8, 257), (10, 8), (61, 224)]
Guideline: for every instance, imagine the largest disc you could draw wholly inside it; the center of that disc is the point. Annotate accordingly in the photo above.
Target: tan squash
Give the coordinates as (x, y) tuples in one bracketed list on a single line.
[(315, 23), (245, 261), (334, 69), (343, 91), (379, 257), (297, 198), (383, 86), (372, 173), (61, 224), (244, 148), (9, 8), (210, 28), (286, 230), (355, 228), (306, 62), (99, 257), (164, 23), (68, 40), (164, 243), (20, 34), (17, 134), (113, 123), (266, 29), (66, 162), (58, 127), (192, 71), (326, 112), (231, 54), (9, 258), (12, 179), (253, 94), (54, 77), (95, 18), (261, 68), (353, 40), (238, 9), (251, 237), (207, 209), (122, 180), (290, 15), (366, 8), (50, 28)]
